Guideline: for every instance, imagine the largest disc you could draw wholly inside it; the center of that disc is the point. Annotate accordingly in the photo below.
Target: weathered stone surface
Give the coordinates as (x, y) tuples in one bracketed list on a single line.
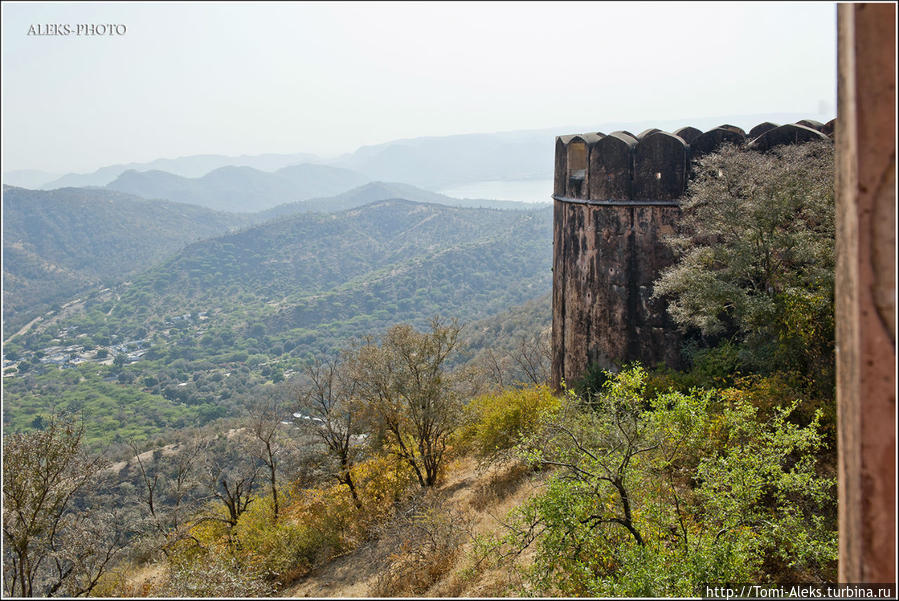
[(733, 128), (789, 133), (646, 132), (605, 261), (660, 167), (761, 128), (607, 256), (560, 175), (688, 134), (612, 168), (811, 123), (711, 140)]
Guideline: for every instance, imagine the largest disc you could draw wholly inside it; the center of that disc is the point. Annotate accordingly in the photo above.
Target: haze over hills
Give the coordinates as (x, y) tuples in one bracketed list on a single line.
[(436, 162), (240, 189), (187, 166), (58, 242), (430, 162), (28, 178), (375, 191)]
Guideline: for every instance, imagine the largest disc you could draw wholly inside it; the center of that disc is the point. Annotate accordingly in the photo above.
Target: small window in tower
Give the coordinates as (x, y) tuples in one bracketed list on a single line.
[(658, 175), (577, 159)]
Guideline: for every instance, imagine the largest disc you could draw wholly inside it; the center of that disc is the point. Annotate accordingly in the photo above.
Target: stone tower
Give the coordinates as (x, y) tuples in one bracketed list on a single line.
[(615, 197)]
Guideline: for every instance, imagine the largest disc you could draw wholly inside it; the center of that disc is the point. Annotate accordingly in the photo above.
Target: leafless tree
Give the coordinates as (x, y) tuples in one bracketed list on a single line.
[(166, 499), (231, 473), (86, 549), (51, 547), (333, 417), (495, 364), (534, 356), (265, 424)]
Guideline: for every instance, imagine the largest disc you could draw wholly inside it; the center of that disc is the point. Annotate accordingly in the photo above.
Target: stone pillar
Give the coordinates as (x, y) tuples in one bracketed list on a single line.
[(865, 292)]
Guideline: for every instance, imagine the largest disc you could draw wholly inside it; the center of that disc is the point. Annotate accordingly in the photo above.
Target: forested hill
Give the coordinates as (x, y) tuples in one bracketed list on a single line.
[(241, 189), (388, 261), (57, 242)]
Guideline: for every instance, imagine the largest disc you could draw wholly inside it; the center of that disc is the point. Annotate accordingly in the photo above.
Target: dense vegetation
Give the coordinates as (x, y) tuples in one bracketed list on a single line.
[(660, 494), (756, 259)]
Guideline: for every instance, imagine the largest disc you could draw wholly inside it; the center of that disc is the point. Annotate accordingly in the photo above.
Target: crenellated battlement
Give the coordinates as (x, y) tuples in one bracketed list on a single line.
[(652, 168), (616, 196)]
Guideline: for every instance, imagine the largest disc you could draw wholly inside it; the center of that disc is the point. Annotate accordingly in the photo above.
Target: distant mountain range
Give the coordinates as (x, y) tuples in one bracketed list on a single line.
[(317, 280), (375, 191), (202, 327), (305, 263), (189, 166), (241, 189), (438, 162)]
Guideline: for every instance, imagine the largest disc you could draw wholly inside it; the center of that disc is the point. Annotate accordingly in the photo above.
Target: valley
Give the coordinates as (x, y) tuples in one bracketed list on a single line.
[(190, 338)]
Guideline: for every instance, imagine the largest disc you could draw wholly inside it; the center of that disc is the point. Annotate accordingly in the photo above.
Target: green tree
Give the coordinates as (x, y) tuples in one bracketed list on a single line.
[(755, 253), (414, 399)]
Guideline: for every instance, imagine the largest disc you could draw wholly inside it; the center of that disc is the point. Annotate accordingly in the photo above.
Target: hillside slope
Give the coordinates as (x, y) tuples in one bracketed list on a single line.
[(388, 261), (60, 241), (266, 300)]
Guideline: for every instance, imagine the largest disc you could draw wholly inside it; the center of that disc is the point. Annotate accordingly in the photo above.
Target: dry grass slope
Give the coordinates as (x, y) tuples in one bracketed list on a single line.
[(426, 550)]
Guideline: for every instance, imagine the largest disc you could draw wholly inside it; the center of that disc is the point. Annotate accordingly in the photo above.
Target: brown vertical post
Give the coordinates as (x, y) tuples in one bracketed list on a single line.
[(865, 291)]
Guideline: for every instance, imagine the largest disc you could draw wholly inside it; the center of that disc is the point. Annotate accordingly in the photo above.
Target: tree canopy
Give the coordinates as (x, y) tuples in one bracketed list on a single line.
[(755, 253)]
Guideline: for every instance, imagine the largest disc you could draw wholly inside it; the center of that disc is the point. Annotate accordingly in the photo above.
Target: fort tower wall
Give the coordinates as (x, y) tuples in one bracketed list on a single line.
[(616, 197)]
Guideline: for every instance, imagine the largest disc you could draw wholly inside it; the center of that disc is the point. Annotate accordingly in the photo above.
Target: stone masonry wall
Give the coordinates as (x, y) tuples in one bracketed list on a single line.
[(615, 197)]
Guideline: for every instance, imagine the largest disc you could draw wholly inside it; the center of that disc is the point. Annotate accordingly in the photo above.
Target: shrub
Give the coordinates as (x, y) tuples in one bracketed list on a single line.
[(656, 496), (384, 480), (495, 423), (285, 549), (215, 574)]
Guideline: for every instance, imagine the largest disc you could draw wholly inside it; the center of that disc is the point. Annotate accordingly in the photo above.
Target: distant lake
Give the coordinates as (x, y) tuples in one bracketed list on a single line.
[(522, 190)]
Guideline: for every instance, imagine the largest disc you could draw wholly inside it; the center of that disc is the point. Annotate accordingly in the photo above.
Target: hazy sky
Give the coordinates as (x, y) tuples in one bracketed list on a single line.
[(235, 78)]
